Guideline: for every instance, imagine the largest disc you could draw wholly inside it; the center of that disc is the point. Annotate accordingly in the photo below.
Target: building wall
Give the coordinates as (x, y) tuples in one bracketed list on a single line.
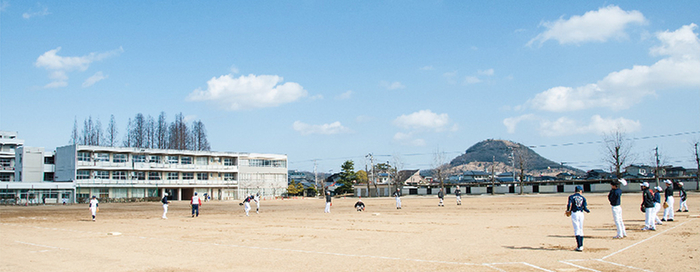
[(65, 163), (29, 165)]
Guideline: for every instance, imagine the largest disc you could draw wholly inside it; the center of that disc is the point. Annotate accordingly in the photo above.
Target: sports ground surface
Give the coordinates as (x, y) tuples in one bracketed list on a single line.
[(486, 233)]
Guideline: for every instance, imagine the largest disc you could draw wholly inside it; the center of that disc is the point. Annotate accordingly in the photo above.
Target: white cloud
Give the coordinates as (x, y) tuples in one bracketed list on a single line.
[(248, 92), (601, 25), (622, 89), (423, 120), (94, 79), (471, 80), (190, 118), (345, 95), (234, 70), (4, 5), (316, 97), (44, 10), (427, 68), (487, 72), (59, 66), (565, 126), (408, 139), (325, 129), (391, 85), (512, 122)]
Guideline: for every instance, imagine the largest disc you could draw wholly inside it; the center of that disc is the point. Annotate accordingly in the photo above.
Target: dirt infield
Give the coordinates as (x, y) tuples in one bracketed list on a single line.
[(486, 233)]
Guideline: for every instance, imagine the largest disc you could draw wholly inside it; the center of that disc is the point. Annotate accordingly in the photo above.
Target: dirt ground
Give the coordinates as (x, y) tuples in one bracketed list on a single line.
[(486, 233)]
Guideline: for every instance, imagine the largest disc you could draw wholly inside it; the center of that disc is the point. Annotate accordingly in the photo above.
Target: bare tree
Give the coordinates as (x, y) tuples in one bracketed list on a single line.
[(178, 133), (96, 133), (150, 131), (522, 160), (138, 131), (398, 165), (111, 137), (617, 151), (127, 136), (440, 166), (74, 133), (162, 132), (199, 137)]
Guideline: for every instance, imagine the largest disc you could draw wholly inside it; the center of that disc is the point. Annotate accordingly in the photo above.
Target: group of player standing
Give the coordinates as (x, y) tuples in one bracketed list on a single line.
[(651, 205)]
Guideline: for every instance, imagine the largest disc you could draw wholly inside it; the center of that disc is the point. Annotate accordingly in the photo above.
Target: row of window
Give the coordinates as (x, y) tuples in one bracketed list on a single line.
[(124, 175), (264, 163), (121, 157)]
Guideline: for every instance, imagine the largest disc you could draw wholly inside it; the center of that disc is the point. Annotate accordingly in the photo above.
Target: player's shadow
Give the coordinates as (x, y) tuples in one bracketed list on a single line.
[(572, 236), (542, 248)]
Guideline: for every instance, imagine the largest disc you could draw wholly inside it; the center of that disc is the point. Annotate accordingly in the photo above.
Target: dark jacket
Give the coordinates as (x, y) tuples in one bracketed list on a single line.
[(441, 194), (396, 194), (647, 198), (684, 196), (668, 192), (328, 198), (614, 197), (577, 203), (164, 200), (458, 192)]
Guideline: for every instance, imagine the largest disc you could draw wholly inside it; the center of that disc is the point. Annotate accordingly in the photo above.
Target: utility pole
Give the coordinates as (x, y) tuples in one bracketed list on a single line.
[(656, 174), (371, 179), (697, 161), (493, 177)]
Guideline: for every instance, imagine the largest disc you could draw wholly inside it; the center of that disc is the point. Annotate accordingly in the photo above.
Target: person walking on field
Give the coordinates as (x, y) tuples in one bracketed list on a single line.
[(93, 207), (614, 198), (195, 202), (397, 195), (257, 202), (657, 206), (648, 207), (575, 208), (441, 196), (668, 203), (165, 205), (458, 195), (246, 204), (684, 197), (328, 202)]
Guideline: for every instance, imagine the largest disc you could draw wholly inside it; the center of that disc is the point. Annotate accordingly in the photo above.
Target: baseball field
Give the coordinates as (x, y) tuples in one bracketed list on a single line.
[(486, 233)]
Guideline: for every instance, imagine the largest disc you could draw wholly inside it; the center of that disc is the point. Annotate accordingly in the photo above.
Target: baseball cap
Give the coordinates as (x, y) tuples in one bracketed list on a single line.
[(579, 188), (623, 181), (680, 183), (165, 194), (645, 184), (668, 181), (658, 188)]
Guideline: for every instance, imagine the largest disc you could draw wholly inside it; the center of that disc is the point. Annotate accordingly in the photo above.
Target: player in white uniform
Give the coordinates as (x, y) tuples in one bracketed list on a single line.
[(397, 195), (196, 202), (93, 207), (668, 193), (328, 202), (257, 202), (246, 204), (458, 195), (577, 205), (165, 205)]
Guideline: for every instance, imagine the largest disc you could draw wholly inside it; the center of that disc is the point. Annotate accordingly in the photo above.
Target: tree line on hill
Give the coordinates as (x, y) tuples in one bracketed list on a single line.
[(144, 132)]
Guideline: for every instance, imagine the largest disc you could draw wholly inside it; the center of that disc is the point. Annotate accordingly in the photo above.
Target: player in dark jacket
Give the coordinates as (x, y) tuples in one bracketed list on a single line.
[(359, 205), (441, 196), (458, 195), (328, 202), (684, 197), (614, 198), (648, 207), (577, 205)]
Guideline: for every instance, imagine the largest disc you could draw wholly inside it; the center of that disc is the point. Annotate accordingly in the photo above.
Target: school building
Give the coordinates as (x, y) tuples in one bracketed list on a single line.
[(74, 173)]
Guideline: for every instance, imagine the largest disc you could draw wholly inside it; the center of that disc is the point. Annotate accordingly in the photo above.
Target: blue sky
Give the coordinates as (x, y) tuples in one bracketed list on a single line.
[(336, 80)]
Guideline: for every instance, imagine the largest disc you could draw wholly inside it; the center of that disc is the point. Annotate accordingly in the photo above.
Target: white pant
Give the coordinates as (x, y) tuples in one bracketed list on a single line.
[(649, 221), (459, 199), (398, 202), (577, 221), (246, 206), (684, 205), (440, 202), (328, 207), (258, 206), (93, 210), (165, 210), (668, 212), (657, 208), (617, 217)]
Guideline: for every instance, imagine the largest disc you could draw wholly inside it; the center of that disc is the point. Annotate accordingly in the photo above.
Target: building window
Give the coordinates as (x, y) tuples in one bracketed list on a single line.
[(229, 161), (187, 176), (4, 176), (172, 159), (49, 160), (82, 174), (48, 176), (102, 157), (119, 158), (140, 175), (202, 161), (102, 174), (172, 175), (139, 158), (154, 159), (83, 156), (186, 160), (203, 176), (229, 176), (119, 175), (153, 175), (5, 162)]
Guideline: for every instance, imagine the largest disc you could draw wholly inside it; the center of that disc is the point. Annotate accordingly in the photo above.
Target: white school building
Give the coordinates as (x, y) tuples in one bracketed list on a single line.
[(74, 173)]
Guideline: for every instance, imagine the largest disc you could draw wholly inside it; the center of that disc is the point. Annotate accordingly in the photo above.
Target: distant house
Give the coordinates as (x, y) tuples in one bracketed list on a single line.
[(598, 174), (410, 177), (565, 176), (640, 170), (673, 171), (477, 176)]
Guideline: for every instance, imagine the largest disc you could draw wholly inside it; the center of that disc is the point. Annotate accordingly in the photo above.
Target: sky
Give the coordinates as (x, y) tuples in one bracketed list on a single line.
[(330, 81)]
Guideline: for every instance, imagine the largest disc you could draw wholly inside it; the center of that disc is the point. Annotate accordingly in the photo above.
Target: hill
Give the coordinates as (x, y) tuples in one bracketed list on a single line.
[(483, 154)]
